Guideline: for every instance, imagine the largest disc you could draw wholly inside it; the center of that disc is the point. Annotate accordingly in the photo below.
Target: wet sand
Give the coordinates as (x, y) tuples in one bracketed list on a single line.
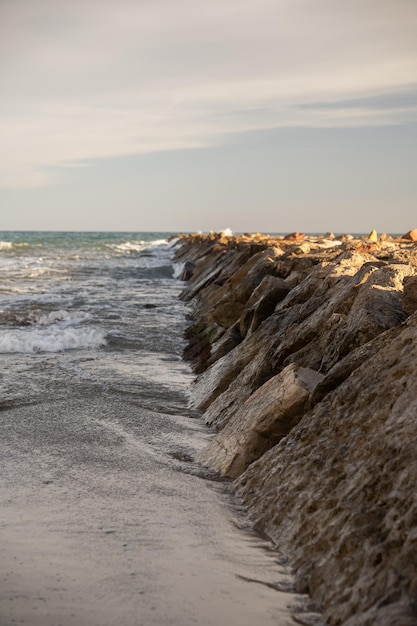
[(104, 521)]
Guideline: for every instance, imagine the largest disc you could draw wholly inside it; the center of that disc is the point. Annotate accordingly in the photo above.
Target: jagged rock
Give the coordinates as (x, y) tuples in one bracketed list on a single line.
[(337, 491), (347, 313), (411, 235), (266, 417), (187, 271), (257, 349), (334, 310), (262, 303), (233, 296), (294, 236), (229, 340), (326, 243), (198, 350), (218, 377), (410, 295), (206, 279), (373, 236), (340, 489), (302, 248), (369, 248), (343, 368)]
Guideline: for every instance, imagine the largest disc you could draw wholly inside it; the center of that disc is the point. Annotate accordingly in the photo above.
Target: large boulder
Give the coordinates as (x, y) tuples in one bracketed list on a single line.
[(266, 417), (411, 235), (297, 321), (409, 304), (235, 293), (262, 303), (347, 313), (329, 371), (339, 490)]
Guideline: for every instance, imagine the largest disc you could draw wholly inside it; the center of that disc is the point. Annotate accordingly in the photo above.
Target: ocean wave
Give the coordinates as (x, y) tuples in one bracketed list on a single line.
[(38, 317), (13, 245), (135, 247), (6, 245), (178, 268), (53, 339)]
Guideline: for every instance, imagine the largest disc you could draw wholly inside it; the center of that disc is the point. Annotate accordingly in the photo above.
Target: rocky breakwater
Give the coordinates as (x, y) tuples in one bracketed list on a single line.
[(306, 355)]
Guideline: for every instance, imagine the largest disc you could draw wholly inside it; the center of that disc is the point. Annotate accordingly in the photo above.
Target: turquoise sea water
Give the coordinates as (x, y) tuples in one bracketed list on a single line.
[(68, 291), (87, 305)]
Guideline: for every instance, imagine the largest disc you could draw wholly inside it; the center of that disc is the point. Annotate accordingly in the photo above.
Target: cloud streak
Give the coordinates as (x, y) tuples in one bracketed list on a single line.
[(88, 80)]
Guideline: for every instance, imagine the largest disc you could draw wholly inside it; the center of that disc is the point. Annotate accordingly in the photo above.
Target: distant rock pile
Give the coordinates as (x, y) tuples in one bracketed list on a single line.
[(306, 355)]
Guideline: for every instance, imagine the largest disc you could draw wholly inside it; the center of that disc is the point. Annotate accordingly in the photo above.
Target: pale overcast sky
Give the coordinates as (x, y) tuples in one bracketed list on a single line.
[(257, 115)]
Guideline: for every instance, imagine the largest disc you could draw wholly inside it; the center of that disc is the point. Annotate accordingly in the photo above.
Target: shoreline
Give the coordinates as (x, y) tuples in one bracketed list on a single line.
[(305, 354)]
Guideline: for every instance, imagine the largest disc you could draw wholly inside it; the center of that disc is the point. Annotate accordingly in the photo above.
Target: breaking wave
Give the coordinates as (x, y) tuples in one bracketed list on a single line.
[(178, 269), (135, 247), (40, 318), (52, 339), (13, 245)]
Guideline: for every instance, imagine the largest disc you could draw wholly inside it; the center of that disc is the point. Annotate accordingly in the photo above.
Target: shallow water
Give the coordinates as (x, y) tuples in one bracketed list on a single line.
[(105, 519)]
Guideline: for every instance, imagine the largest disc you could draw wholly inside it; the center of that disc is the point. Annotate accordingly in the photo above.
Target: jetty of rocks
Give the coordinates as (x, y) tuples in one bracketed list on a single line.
[(305, 351)]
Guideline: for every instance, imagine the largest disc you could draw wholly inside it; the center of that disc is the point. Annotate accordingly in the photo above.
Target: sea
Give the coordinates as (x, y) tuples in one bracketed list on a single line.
[(105, 518)]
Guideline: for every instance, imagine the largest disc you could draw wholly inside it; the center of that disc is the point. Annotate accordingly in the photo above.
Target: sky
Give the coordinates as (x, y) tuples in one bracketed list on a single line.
[(188, 115)]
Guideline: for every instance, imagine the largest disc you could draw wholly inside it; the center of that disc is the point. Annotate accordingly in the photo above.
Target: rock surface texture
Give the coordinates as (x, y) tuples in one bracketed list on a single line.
[(305, 350)]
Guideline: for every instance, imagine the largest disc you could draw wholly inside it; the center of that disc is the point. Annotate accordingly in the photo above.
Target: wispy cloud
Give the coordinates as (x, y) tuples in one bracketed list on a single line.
[(94, 79)]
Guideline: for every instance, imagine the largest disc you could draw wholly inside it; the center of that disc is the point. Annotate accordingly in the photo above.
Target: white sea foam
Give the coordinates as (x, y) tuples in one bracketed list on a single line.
[(65, 318), (52, 339), (6, 245), (51, 298), (41, 271), (157, 242), (9, 245), (38, 317), (178, 268), (128, 247)]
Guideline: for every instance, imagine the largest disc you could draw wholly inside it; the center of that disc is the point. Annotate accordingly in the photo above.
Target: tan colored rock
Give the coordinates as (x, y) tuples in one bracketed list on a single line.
[(230, 381), (233, 296), (411, 235), (226, 342), (302, 248), (266, 417), (409, 303), (327, 244), (248, 357), (209, 267), (294, 236), (373, 236), (348, 364), (187, 271), (262, 303), (367, 248), (339, 492), (308, 327), (350, 307)]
